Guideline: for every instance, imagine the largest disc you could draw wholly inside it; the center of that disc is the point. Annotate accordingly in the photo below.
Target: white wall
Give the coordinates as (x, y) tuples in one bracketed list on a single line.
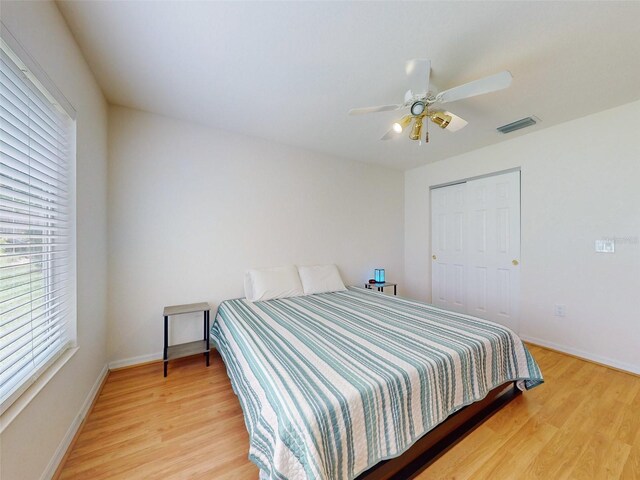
[(29, 443), (190, 209), (580, 182)]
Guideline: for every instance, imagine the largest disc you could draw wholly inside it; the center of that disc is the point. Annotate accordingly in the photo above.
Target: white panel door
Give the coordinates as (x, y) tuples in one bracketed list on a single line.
[(494, 248), (449, 247), (476, 247)]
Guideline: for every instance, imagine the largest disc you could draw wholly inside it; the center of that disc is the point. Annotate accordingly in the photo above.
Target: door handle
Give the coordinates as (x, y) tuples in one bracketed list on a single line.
[(515, 262), (433, 256)]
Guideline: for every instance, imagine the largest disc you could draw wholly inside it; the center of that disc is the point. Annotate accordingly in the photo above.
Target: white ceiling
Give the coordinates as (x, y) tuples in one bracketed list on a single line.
[(289, 72)]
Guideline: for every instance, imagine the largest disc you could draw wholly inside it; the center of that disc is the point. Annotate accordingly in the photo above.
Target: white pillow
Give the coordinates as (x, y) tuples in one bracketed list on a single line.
[(248, 288), (320, 279), (275, 282)]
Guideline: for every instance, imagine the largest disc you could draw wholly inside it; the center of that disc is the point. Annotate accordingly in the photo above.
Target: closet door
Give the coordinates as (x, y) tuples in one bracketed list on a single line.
[(476, 247), (449, 247), (494, 248)]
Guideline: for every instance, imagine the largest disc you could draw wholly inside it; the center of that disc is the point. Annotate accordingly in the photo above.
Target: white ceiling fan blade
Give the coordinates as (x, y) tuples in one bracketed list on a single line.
[(380, 108), (391, 133), (478, 87), (408, 96), (456, 123), (418, 70)]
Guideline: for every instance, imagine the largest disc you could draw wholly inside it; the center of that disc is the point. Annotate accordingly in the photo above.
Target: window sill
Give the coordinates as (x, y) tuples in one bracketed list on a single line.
[(38, 384)]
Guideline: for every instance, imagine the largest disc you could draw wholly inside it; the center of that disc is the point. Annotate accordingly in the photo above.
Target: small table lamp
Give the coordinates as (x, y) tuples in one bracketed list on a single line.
[(379, 275)]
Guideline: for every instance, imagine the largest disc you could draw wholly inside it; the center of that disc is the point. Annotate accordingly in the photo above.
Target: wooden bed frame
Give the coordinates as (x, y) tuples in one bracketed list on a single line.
[(426, 450)]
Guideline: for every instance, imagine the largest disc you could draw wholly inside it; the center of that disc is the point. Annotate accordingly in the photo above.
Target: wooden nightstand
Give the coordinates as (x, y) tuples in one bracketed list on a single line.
[(380, 286), (171, 352)]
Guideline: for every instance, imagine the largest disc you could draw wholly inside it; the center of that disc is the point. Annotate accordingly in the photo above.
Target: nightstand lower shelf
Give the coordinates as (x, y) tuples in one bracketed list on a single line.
[(187, 349)]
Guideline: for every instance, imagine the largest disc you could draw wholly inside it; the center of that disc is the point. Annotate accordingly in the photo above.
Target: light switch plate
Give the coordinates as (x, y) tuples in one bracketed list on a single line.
[(605, 246)]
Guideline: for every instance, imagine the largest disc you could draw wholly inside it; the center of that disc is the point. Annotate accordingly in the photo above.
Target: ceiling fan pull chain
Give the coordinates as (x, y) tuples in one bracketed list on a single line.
[(426, 132)]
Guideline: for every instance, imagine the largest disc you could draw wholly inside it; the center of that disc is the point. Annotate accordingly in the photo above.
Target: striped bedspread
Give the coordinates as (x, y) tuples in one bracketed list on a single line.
[(331, 384)]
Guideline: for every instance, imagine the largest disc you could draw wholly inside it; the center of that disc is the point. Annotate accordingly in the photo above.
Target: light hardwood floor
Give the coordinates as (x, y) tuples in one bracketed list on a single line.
[(583, 423)]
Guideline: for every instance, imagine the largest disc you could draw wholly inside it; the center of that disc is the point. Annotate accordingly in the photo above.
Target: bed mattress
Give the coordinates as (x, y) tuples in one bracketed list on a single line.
[(331, 384)]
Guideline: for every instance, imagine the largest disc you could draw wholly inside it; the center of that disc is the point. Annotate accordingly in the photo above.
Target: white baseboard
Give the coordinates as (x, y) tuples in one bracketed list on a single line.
[(73, 428), (127, 362), (581, 353)]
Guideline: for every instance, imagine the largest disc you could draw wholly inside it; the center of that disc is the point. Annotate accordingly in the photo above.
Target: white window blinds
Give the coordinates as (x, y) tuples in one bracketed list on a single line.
[(37, 271)]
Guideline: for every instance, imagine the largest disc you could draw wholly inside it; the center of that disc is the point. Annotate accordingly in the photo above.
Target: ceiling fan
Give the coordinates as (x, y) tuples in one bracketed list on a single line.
[(424, 103)]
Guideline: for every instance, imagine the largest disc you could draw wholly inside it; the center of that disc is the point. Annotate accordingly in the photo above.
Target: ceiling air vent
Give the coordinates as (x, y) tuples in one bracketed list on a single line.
[(517, 125)]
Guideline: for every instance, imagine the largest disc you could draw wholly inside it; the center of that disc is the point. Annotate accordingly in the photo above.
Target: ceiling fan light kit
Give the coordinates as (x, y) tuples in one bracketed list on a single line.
[(441, 119), (451, 122), (419, 99), (416, 131), (400, 125)]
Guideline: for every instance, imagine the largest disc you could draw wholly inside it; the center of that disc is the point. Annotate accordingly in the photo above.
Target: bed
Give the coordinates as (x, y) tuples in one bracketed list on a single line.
[(333, 384)]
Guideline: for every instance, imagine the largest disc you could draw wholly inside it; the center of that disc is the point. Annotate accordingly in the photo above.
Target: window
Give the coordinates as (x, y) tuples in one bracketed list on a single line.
[(37, 244)]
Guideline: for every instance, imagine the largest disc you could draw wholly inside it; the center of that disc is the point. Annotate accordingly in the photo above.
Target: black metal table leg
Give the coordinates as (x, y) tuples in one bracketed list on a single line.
[(395, 290), (166, 344), (206, 330)]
